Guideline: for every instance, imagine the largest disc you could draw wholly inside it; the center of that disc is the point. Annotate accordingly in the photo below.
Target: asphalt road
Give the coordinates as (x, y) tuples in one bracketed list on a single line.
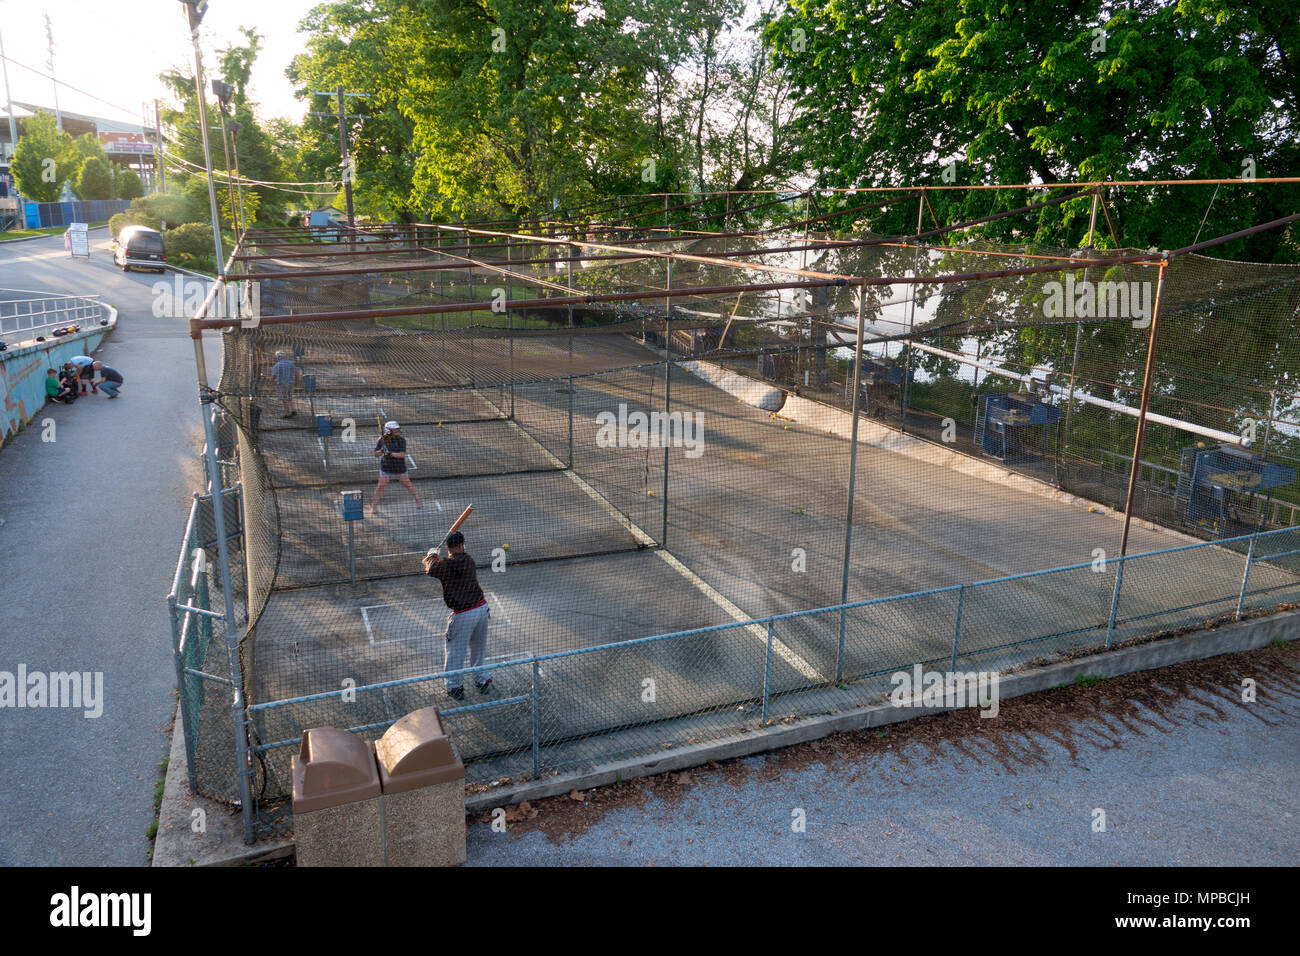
[(91, 524)]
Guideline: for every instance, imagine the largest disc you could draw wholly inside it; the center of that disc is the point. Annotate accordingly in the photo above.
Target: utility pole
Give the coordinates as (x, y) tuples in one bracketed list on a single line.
[(9, 103), (343, 153), (346, 165), (194, 15), (49, 35), (161, 152)]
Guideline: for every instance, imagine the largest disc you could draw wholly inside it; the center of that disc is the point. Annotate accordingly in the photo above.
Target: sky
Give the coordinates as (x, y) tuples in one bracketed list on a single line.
[(115, 50)]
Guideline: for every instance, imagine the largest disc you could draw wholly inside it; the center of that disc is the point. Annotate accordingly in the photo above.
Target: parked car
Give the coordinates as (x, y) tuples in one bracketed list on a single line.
[(141, 247)]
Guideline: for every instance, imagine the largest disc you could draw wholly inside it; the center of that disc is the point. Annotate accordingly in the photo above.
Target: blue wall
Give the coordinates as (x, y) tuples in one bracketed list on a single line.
[(42, 214), (22, 375)]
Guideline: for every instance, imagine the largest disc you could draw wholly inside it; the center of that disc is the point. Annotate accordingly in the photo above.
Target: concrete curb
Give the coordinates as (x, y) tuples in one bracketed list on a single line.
[(747, 390), (188, 272), (177, 844), (49, 235), (1232, 638)]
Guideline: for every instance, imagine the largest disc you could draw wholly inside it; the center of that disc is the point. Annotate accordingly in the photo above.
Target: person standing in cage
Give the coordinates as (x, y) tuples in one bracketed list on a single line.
[(285, 375), (468, 618), (391, 449)]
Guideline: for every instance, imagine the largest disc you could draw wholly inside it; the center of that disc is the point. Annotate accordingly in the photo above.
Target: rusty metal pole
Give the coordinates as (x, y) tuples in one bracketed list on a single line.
[(911, 317), (1142, 410), (1078, 339), (668, 385), (853, 474)]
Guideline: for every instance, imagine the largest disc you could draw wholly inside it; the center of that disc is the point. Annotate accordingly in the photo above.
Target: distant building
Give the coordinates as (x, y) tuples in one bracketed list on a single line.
[(129, 145)]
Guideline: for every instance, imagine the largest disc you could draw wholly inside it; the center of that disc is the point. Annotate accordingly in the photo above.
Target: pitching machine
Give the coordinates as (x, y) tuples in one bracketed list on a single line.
[(1216, 485), (1013, 427)]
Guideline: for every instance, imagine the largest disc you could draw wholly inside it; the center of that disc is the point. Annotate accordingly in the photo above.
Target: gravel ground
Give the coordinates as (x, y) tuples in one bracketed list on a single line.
[(1185, 770)]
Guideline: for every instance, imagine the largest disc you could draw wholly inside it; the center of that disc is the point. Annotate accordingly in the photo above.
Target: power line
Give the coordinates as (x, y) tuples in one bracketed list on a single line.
[(244, 180), (199, 171), (75, 89)]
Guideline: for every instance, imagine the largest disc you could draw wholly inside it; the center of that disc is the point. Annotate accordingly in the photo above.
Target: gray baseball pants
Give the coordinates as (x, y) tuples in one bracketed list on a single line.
[(466, 631)]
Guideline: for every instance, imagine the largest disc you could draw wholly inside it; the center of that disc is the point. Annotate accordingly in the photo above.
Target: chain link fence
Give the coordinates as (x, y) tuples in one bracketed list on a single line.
[(682, 529), (201, 649), (574, 711)]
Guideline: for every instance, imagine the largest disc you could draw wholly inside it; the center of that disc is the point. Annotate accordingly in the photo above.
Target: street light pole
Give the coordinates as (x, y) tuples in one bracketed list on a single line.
[(49, 34), (222, 90), (161, 154), (235, 126)]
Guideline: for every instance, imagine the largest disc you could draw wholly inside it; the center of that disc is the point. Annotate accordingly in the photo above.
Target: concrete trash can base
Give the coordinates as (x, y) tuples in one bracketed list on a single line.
[(422, 780), (337, 815)]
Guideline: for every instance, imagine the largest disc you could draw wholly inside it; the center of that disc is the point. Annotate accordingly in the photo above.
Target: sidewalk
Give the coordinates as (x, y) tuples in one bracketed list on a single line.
[(88, 545)]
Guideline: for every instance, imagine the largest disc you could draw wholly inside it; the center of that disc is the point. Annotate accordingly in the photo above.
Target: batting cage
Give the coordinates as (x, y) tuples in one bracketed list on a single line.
[(719, 479)]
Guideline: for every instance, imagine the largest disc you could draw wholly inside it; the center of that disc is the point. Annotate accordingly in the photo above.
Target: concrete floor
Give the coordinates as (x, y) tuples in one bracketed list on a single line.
[(761, 488)]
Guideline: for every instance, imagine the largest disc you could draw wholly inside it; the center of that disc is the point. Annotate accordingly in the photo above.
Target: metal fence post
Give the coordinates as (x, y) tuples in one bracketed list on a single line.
[(179, 657), (853, 472), (839, 657), (1245, 577), (668, 401), (767, 671), (956, 637), (537, 744), (1114, 604), (570, 251), (208, 408)]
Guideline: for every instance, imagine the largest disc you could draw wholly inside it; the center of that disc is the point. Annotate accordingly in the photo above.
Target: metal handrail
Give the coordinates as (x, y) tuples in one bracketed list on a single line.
[(70, 309)]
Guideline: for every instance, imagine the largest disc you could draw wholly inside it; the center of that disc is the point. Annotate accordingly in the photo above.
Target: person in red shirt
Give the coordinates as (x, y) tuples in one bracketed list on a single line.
[(467, 621)]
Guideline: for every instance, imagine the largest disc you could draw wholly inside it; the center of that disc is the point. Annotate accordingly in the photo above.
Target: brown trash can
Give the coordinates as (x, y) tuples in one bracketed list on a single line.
[(423, 784), (337, 816)]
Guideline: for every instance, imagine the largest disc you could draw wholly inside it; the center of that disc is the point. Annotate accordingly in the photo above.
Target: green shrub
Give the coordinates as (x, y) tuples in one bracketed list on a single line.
[(127, 185), (129, 218), (94, 180), (193, 240), (172, 208)]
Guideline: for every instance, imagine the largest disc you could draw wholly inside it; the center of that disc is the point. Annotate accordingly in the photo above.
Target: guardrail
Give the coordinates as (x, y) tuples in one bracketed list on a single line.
[(22, 320)]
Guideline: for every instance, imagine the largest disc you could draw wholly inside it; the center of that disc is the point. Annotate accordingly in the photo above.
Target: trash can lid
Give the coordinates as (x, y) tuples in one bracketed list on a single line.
[(416, 752), (333, 767)]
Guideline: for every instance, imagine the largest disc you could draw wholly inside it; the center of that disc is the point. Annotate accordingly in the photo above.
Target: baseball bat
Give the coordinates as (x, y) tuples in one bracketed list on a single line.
[(459, 521)]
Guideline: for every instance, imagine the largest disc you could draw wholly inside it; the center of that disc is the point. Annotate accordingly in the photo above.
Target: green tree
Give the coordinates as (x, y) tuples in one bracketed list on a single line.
[(901, 92), (191, 239), (42, 159), (127, 185), (256, 151), (84, 147), (94, 180)]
